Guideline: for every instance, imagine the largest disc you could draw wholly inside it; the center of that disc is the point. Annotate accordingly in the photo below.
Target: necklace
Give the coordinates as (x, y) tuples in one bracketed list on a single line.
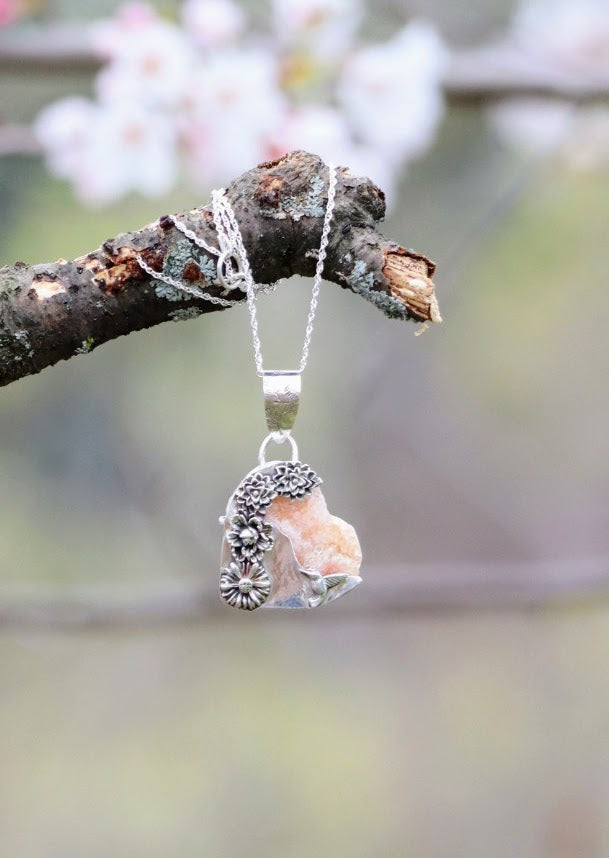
[(281, 547)]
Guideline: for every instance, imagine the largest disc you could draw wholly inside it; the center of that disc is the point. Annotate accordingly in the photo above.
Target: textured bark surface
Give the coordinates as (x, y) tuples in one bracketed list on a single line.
[(51, 312)]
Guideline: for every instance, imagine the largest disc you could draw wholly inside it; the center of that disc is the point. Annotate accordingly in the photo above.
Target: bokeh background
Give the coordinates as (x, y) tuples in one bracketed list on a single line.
[(432, 731)]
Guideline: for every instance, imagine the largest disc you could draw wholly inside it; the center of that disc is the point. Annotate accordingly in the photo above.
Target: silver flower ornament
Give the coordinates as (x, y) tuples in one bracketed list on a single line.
[(294, 479), (245, 586), (255, 494), (249, 537)]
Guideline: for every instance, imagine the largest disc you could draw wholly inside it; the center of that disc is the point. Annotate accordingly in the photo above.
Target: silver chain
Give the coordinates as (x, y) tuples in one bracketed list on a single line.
[(319, 268), (230, 234), (182, 287), (234, 269)]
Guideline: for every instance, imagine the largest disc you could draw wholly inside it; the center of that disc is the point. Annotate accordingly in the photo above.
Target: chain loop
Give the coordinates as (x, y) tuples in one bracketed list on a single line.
[(177, 284)]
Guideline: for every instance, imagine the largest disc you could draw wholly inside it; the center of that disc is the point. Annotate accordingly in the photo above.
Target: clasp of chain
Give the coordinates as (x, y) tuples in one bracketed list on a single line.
[(281, 390), (230, 271)]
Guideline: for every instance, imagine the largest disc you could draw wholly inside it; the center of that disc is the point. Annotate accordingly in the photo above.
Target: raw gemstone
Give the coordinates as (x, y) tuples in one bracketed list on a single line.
[(321, 541)]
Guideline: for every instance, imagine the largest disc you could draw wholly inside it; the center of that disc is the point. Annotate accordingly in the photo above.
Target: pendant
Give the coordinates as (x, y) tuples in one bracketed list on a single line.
[(281, 547)]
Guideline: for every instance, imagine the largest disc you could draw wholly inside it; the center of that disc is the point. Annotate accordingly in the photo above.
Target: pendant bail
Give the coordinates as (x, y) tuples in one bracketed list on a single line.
[(281, 390)]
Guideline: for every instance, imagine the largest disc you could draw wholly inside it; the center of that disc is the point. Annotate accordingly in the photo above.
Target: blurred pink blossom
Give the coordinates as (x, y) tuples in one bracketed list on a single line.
[(9, 12)]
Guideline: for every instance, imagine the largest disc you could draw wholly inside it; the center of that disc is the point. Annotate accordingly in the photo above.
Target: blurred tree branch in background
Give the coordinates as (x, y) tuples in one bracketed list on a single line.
[(51, 312), (407, 589), (476, 75)]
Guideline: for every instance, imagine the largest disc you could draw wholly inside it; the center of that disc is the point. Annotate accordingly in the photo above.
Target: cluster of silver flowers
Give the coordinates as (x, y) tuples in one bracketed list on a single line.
[(244, 583)]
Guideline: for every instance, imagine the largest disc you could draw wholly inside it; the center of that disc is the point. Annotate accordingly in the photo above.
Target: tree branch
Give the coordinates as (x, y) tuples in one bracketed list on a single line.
[(498, 71), (387, 591), (52, 312), (488, 73)]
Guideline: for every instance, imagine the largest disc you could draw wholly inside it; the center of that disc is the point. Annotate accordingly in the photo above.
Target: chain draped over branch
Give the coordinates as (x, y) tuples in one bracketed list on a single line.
[(51, 312)]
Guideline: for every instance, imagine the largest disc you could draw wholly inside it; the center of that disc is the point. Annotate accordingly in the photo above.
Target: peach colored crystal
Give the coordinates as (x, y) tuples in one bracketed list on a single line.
[(321, 541)]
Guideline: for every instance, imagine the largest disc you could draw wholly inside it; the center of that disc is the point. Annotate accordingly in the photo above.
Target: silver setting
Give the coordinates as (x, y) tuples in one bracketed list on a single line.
[(281, 390), (246, 586), (247, 534)]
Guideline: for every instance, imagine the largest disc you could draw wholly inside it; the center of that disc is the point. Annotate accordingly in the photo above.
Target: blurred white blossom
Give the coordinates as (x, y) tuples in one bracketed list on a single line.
[(315, 127), (323, 130), (212, 23), (149, 60), (111, 37), (63, 129), (561, 36), (234, 105), (572, 34), (206, 92), (533, 124), (588, 145), (391, 92), (108, 150), (323, 28)]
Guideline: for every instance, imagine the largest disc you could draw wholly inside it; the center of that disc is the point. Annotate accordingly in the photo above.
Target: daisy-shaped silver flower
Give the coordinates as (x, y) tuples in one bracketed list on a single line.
[(294, 479), (245, 586), (249, 537), (255, 494)]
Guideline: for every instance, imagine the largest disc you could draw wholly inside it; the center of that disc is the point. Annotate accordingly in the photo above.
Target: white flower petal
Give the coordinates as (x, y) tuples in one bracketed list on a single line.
[(573, 34), (212, 23), (534, 125), (234, 108), (391, 91), (324, 28), (152, 66), (62, 130)]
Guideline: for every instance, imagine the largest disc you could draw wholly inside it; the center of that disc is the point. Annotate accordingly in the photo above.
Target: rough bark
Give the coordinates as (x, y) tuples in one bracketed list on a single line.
[(51, 312)]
